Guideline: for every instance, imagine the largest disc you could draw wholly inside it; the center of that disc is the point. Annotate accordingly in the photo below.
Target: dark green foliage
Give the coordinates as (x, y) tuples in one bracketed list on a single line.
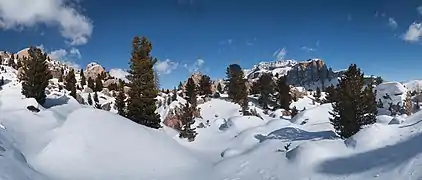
[(180, 87), (283, 89), (61, 75), (120, 104), (255, 88), (97, 105), (219, 88), (35, 75), (141, 102), (96, 100), (113, 87), (98, 84), (89, 99), (317, 94), (11, 61), (331, 94), (236, 87), (91, 84), (174, 95), (168, 91), (352, 107), (83, 79), (168, 100), (70, 83), (2, 81), (191, 92), (378, 80), (187, 120), (205, 85), (266, 88)]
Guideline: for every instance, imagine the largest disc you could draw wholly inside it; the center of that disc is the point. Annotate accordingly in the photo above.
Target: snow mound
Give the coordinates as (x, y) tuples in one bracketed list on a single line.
[(391, 92), (308, 154), (316, 118), (241, 123), (94, 144), (360, 140)]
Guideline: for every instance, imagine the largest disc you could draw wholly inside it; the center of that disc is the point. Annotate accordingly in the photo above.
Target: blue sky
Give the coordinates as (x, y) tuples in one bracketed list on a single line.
[(382, 37)]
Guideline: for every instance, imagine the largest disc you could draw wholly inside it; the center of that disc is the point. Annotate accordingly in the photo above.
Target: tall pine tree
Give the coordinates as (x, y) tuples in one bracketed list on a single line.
[(219, 88), (191, 92), (143, 90), (205, 85), (83, 79), (236, 87), (266, 88), (187, 121), (98, 84), (317, 94), (284, 96), (91, 84), (120, 103), (352, 107), (35, 75), (89, 99), (70, 83)]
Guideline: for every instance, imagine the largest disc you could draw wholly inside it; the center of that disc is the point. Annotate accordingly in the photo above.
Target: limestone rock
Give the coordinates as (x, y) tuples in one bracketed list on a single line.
[(93, 69)]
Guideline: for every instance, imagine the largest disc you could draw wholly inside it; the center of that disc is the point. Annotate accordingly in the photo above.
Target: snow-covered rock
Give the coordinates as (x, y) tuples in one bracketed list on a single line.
[(93, 69), (391, 92)]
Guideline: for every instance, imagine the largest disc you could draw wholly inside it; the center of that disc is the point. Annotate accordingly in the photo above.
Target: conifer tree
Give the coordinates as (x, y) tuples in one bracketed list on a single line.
[(168, 101), (143, 90), (70, 83), (174, 95), (98, 84), (96, 100), (317, 94), (352, 107), (187, 120), (236, 88), (83, 79), (284, 96), (191, 92), (89, 99), (91, 84), (35, 75), (266, 88), (255, 89), (219, 88), (120, 103), (11, 61), (331, 96), (2, 81), (61, 75), (180, 85), (408, 104), (205, 85)]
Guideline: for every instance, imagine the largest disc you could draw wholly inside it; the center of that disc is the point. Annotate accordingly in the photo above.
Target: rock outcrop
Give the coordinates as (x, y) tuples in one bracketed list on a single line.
[(93, 69)]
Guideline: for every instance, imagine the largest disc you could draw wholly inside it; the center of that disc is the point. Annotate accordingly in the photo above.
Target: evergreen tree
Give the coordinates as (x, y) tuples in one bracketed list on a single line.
[(283, 89), (90, 99), (408, 104), (378, 80), (180, 85), (174, 95), (11, 61), (91, 84), (331, 94), (219, 88), (83, 79), (255, 88), (98, 84), (168, 101), (352, 107), (205, 85), (143, 90), (96, 100), (61, 75), (191, 92), (187, 120), (35, 75), (266, 88), (236, 88), (120, 104), (317, 94), (2, 81), (70, 83)]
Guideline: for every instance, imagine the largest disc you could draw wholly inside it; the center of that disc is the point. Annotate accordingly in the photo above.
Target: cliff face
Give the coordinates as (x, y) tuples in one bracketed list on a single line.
[(309, 74)]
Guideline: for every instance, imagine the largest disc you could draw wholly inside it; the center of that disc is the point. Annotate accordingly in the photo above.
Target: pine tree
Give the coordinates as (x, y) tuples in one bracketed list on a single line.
[(89, 99), (255, 88), (284, 96), (96, 100), (180, 85), (187, 120), (61, 75), (98, 84), (91, 84), (331, 96), (174, 95), (266, 88), (70, 83), (83, 79), (219, 88), (205, 85), (352, 107), (143, 90), (191, 92), (2, 81), (120, 104), (236, 88), (317, 94), (11, 61), (168, 100), (35, 75), (408, 104)]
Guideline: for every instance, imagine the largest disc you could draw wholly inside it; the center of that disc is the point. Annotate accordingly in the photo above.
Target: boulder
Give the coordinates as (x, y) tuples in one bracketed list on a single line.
[(93, 69), (106, 92), (106, 106), (108, 82), (88, 90)]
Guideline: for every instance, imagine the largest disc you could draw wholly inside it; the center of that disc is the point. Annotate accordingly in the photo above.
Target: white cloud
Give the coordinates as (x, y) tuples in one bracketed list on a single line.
[(308, 49), (66, 56), (76, 52), (419, 9), (280, 54), (196, 66), (414, 32), (392, 23), (166, 67), (119, 73), (73, 26)]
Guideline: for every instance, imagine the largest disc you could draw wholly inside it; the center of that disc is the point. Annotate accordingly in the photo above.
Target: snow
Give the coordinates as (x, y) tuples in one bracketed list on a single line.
[(395, 90)]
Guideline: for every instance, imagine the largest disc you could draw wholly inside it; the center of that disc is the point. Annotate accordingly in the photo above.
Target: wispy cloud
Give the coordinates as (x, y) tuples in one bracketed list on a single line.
[(196, 66), (119, 74), (68, 57), (308, 49), (166, 67), (73, 26), (419, 9), (413, 33), (392, 23), (280, 54)]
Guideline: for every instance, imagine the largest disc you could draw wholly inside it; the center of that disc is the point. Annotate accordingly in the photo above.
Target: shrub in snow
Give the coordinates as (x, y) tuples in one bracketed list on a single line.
[(187, 120), (33, 109)]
